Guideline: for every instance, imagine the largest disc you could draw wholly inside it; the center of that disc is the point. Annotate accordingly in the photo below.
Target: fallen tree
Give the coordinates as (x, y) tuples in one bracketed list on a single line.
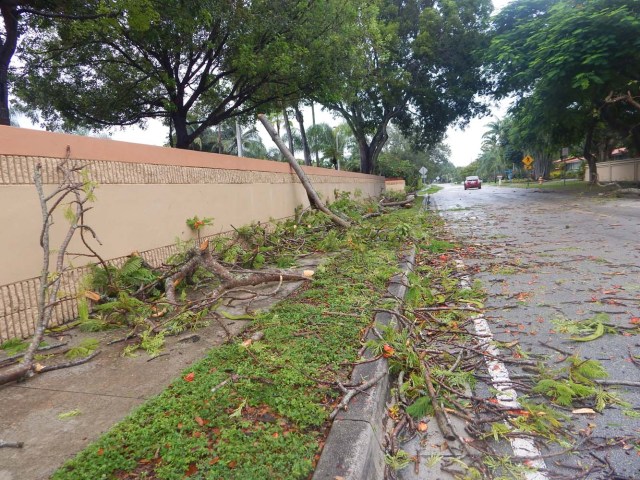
[(306, 183)]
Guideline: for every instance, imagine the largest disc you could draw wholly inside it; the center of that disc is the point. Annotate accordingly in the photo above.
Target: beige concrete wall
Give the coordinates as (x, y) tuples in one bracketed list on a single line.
[(618, 171), (144, 197), (394, 185)]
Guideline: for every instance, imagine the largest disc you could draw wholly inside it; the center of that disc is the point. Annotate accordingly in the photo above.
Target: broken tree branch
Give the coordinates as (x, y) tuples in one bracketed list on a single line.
[(81, 192), (353, 392), (5, 444), (441, 419), (313, 196), (73, 363)]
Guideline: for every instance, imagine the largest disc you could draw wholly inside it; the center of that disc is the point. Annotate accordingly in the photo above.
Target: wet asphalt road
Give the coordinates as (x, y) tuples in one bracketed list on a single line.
[(543, 255)]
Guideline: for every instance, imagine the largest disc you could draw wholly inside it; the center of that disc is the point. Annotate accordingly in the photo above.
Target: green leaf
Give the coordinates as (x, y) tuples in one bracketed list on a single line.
[(422, 407), (70, 214), (599, 331), (84, 349), (69, 414), (238, 411), (83, 309)]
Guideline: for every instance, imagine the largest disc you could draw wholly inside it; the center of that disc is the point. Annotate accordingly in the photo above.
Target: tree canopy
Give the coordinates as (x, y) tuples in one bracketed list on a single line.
[(420, 66), (401, 158), (572, 64), (15, 16), (193, 63)]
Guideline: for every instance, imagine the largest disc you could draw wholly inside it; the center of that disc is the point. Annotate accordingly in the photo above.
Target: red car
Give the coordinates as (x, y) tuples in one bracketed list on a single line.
[(472, 182)]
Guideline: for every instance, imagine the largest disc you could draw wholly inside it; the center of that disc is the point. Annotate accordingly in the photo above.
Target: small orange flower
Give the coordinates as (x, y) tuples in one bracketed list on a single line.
[(387, 351)]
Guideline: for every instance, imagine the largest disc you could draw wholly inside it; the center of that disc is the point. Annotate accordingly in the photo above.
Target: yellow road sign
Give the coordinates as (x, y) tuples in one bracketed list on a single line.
[(527, 160), (528, 167)]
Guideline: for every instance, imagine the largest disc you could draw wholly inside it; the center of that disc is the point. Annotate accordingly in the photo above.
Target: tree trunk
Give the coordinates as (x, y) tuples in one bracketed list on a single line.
[(635, 137), (311, 193), (589, 156), (303, 135), (183, 139), (171, 139), (366, 160), (370, 151), (542, 165), (287, 126), (7, 49)]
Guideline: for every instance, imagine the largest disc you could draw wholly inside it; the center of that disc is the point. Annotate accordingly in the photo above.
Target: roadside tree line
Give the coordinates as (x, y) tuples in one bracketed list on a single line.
[(571, 67), (205, 67), (199, 66)]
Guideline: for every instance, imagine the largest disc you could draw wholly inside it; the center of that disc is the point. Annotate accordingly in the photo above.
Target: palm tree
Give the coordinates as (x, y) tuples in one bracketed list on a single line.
[(222, 139), (331, 142), (491, 161)]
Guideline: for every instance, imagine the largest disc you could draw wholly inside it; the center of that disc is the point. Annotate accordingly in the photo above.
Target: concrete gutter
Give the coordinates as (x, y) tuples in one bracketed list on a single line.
[(355, 446)]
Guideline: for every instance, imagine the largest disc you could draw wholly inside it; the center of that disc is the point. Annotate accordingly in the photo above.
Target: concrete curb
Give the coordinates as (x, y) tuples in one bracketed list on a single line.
[(355, 446)]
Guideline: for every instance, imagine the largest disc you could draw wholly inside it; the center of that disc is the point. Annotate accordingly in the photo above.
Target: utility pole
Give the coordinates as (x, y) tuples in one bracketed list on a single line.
[(239, 138), (563, 156), (313, 121)]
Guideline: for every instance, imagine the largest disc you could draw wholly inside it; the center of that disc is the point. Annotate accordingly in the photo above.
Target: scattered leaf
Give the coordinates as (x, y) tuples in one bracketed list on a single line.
[(192, 470), (69, 414), (92, 295), (599, 331), (423, 426), (189, 377)]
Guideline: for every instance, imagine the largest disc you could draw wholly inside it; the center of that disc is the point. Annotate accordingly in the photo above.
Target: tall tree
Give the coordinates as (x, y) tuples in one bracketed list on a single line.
[(420, 66), (303, 135), (193, 63), (491, 160), (14, 15), (566, 59)]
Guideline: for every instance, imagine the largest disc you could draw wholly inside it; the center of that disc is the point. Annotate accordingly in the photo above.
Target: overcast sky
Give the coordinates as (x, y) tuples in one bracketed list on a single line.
[(465, 143)]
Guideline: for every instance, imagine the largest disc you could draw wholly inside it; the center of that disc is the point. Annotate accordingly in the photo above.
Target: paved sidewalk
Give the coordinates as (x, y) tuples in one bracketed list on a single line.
[(105, 390)]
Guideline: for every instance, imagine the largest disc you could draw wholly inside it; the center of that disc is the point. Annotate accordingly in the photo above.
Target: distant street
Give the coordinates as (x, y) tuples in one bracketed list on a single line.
[(546, 256)]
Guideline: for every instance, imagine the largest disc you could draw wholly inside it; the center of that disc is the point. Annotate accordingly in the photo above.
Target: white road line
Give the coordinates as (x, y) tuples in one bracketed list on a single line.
[(522, 446)]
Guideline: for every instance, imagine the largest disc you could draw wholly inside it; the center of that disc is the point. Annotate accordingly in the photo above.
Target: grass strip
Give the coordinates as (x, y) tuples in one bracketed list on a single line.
[(271, 416)]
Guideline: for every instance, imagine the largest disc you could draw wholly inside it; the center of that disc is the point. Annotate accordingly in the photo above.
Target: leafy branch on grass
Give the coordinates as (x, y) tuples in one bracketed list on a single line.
[(155, 301)]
